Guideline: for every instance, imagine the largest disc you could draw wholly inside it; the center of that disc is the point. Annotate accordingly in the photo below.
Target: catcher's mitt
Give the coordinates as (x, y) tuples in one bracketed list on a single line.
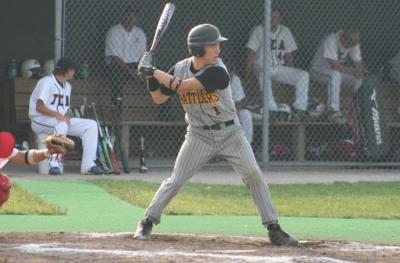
[(59, 144), (5, 186)]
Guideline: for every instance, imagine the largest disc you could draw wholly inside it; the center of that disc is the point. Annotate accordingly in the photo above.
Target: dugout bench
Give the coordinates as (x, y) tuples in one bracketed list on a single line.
[(139, 111)]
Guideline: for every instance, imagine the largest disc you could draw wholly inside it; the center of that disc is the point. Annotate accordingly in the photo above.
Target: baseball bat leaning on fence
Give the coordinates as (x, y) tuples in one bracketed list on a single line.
[(143, 167), (117, 133), (100, 161), (113, 156), (103, 141)]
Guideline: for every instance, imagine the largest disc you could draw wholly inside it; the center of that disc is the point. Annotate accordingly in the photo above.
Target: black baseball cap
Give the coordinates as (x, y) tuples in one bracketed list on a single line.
[(65, 64)]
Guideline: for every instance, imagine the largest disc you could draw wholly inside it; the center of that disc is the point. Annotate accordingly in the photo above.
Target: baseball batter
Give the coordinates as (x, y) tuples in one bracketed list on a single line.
[(328, 66), (282, 61), (48, 111), (202, 83)]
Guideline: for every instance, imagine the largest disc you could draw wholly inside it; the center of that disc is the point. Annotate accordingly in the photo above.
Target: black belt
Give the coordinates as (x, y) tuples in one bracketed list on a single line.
[(219, 126)]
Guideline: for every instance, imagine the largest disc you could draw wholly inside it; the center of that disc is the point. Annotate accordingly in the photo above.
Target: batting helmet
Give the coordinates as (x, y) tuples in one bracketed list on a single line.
[(48, 67), (202, 35), (4, 188), (30, 68)]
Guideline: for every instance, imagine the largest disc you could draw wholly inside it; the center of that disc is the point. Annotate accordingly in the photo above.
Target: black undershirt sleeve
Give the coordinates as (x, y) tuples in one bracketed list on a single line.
[(214, 78)]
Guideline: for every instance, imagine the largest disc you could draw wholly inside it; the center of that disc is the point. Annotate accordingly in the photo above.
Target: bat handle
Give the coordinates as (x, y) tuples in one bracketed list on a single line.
[(142, 143)]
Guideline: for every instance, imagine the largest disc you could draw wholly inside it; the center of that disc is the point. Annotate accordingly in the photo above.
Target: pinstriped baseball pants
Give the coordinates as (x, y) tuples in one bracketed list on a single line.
[(199, 147)]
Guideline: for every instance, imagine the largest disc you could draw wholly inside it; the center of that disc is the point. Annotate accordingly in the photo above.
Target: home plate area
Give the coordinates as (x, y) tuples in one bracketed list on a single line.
[(121, 247)]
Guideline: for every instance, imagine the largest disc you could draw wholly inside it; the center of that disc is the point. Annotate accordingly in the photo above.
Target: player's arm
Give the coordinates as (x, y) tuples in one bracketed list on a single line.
[(30, 157), (249, 60), (175, 84), (289, 59), (239, 104), (341, 68), (159, 92), (360, 69), (40, 107)]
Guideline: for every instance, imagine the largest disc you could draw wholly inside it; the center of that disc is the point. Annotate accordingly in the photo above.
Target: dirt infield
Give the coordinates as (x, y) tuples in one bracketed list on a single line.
[(120, 247)]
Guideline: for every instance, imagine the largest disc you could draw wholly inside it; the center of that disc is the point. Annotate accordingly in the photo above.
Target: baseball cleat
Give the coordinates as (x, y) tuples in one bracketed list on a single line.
[(54, 171), (143, 230), (279, 237), (95, 170)]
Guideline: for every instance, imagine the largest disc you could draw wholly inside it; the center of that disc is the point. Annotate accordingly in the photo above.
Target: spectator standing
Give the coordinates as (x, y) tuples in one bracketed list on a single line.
[(125, 43)]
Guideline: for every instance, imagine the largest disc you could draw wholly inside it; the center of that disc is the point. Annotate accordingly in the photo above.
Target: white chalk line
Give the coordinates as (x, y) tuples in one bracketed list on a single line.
[(55, 248)]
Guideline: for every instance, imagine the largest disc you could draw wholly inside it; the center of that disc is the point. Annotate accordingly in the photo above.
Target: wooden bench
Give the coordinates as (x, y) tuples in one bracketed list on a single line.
[(285, 94), (139, 110)]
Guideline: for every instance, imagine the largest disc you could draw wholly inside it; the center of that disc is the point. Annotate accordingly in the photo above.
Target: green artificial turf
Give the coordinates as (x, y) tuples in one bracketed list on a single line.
[(90, 208)]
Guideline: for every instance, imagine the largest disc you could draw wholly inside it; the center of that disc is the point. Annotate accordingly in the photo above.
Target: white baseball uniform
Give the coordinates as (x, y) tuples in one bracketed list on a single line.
[(56, 96), (331, 48), (245, 116), (128, 46), (282, 42)]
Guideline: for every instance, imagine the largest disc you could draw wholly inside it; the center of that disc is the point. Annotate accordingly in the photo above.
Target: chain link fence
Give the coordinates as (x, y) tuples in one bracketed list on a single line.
[(311, 116)]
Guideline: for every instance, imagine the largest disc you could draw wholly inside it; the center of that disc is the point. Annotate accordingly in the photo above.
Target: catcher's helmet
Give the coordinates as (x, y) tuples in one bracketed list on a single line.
[(7, 144), (202, 35), (30, 68)]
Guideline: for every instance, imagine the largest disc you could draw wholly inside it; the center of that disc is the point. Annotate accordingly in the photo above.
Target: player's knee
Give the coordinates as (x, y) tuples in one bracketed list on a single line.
[(173, 183), (253, 174), (304, 79), (91, 124), (357, 84), (335, 75)]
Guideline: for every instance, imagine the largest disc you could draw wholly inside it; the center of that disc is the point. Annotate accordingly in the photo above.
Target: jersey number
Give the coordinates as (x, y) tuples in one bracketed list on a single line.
[(217, 111)]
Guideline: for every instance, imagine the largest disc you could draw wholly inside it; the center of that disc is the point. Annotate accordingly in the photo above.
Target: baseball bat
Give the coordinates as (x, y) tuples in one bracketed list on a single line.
[(100, 161), (113, 156), (162, 25), (116, 130), (103, 141), (143, 167)]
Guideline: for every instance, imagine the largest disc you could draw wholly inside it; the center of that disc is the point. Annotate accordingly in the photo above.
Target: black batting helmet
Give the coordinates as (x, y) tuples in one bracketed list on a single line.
[(202, 35)]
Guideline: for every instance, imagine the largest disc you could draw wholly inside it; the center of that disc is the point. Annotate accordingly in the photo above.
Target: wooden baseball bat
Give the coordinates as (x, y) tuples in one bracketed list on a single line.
[(143, 167), (162, 25)]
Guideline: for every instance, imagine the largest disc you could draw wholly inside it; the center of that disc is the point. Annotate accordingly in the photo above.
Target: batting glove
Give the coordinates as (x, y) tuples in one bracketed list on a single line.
[(146, 65)]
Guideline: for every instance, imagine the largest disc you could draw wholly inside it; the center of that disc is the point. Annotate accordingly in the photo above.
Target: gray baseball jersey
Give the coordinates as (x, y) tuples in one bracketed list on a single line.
[(213, 130)]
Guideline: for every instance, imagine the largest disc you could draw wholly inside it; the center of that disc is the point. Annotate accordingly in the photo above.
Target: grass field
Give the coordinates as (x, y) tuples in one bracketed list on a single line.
[(26, 203), (369, 200)]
